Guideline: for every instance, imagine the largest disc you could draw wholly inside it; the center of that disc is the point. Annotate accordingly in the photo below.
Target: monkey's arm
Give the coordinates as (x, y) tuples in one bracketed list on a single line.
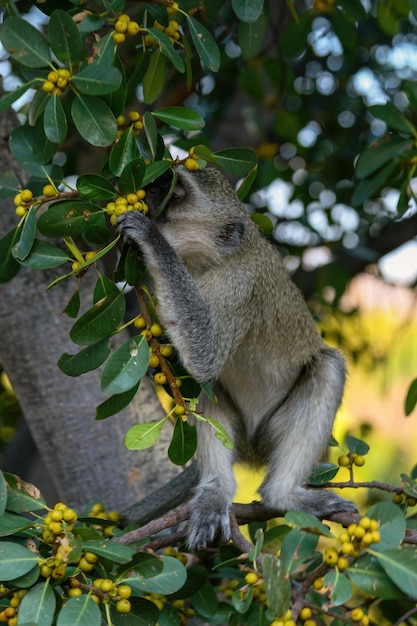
[(189, 318)]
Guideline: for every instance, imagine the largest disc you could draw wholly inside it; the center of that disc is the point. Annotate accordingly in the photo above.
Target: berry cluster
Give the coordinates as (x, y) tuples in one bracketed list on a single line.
[(347, 460), (124, 27), (57, 81), (23, 202), (60, 519), (104, 590), (130, 202), (401, 498), (87, 256), (172, 31), (135, 121)]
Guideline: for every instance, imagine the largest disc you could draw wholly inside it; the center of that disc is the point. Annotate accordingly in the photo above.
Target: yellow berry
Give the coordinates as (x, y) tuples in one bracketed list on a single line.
[(411, 501), (18, 199), (359, 460), (123, 605), (251, 578), (140, 194), (121, 120), (76, 265), (343, 460), (160, 378), (124, 17), (72, 593), (107, 585), (191, 164), (376, 536), (153, 360), (139, 322), (120, 26), (343, 537), (124, 591), (305, 613), (149, 41), (55, 527), (49, 191), (179, 410), (64, 73), (318, 583), (365, 620), (45, 571), (131, 198), (156, 330), (347, 548), (173, 8), (166, 350), (85, 566), (330, 555), (310, 622), (374, 524), (56, 515), (357, 614), (397, 498), (359, 532), (119, 37), (277, 622), (178, 382), (91, 557), (48, 86), (26, 195), (132, 28), (134, 116), (69, 516), (342, 563), (53, 76), (95, 597), (20, 211), (365, 523), (59, 571)]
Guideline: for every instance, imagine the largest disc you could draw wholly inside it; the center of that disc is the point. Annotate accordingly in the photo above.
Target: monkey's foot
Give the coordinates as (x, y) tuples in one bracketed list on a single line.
[(207, 525)]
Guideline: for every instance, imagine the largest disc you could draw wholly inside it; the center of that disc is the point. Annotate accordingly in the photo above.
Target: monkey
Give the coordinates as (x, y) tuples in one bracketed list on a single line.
[(239, 322)]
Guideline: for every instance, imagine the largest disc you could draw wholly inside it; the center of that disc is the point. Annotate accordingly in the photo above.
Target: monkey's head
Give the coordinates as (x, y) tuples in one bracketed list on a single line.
[(203, 217)]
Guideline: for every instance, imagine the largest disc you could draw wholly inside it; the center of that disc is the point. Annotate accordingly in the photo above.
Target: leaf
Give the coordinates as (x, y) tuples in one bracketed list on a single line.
[(15, 560), (169, 580), (379, 154), (123, 152), (7, 100), (251, 36), (142, 436), (97, 79), (323, 473), (9, 267), (127, 365), (151, 132), (115, 403), (79, 611), (66, 218), (132, 176), (54, 120), (277, 584), (22, 497), (154, 79), (100, 320), (409, 485), (401, 567), (3, 493), (115, 552), (301, 519), (24, 43), (94, 120), (220, 433), (11, 523), (392, 525), (369, 186), (339, 586), (154, 171), (95, 187), (297, 547), (248, 10), (21, 143), (242, 599), (411, 398), (204, 43), (38, 605), (64, 38), (389, 114), (356, 445), (183, 444), (367, 574), (168, 49), (237, 161), (44, 255), (205, 601), (180, 117), (27, 238), (86, 360)]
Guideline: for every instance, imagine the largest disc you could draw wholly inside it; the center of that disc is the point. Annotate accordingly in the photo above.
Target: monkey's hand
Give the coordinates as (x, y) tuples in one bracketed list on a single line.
[(209, 520), (135, 227)]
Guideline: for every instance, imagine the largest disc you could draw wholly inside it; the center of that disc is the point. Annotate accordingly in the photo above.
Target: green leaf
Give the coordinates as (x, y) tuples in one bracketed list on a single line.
[(115, 404), (95, 187), (242, 599), (369, 186), (142, 436), (183, 444), (154, 171), (409, 485), (389, 114), (379, 154), (300, 519), (277, 584), (154, 79), (115, 552), (7, 100), (24, 43), (105, 50), (392, 525), (38, 605), (168, 49), (73, 307), (86, 360), (15, 560), (94, 120), (180, 117), (132, 176), (366, 573), (3, 493), (123, 152), (151, 132), (11, 523), (21, 143), (44, 255), (9, 267), (220, 432), (65, 218), (9, 185), (411, 397), (54, 120), (297, 547), (79, 611), (205, 601), (339, 586), (356, 445), (64, 38), (127, 365), (248, 10), (323, 473), (169, 580), (251, 36), (27, 238), (100, 320), (22, 497), (204, 43), (237, 161), (97, 79), (401, 567)]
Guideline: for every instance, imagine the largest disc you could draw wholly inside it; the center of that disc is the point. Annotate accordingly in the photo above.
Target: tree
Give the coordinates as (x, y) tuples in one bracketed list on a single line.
[(287, 82)]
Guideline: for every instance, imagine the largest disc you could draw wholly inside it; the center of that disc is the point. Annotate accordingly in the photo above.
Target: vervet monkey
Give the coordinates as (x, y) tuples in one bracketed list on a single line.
[(238, 322)]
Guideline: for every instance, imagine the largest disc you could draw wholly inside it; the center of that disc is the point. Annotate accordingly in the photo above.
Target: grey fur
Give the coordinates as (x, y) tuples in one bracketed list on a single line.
[(237, 321)]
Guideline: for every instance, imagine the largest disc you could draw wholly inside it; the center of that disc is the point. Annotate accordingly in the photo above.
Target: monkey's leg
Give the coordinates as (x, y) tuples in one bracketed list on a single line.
[(295, 437), (209, 508)]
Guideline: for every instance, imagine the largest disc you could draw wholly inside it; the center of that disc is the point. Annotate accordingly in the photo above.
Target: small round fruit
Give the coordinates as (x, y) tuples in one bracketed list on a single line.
[(72, 593), (119, 37), (331, 555), (166, 350), (342, 563), (153, 360), (251, 578), (156, 330), (357, 614), (123, 605), (359, 460), (20, 211), (343, 460), (397, 498), (120, 26), (124, 591), (48, 86), (132, 28), (26, 195), (191, 164), (160, 378), (91, 557), (107, 585), (85, 566), (305, 613), (49, 191), (139, 322)]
